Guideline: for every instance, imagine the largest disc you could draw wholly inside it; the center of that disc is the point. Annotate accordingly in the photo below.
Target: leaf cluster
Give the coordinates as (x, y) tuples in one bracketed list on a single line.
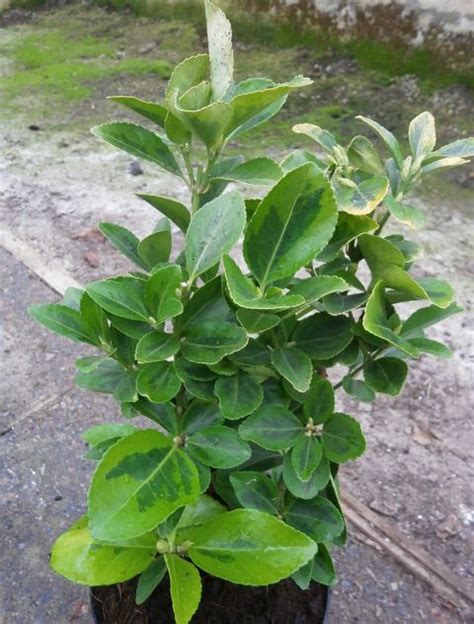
[(235, 365)]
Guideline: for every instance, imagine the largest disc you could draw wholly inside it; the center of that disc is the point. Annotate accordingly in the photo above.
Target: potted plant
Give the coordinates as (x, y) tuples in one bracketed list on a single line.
[(236, 366)]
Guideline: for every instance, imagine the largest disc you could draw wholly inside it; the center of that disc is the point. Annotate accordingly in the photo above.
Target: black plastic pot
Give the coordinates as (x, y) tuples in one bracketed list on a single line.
[(98, 619)]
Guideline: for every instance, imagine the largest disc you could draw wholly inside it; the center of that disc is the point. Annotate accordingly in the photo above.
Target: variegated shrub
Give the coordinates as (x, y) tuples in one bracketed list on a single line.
[(236, 364)]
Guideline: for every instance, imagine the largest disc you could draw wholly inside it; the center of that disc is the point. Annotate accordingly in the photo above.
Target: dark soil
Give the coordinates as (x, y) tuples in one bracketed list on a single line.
[(221, 603)]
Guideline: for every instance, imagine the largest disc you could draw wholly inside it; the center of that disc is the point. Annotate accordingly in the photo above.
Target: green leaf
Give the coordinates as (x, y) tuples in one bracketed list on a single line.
[(249, 547), (323, 571), (245, 294), (210, 342), (358, 389), (375, 321), (255, 490), (123, 240), (72, 298), (422, 136), (348, 228), (155, 248), (141, 480), (121, 296), (221, 55), (139, 142), (79, 557), (213, 231), (362, 198), (291, 225), (196, 514), (363, 155), (256, 322), (107, 431), (161, 293), (318, 518), (156, 347), (174, 210), (188, 73), (433, 347), (413, 217), (109, 377), (336, 304), (272, 427), (438, 291), (219, 447), (302, 577), (158, 382), (185, 587), (322, 137), (164, 414), (151, 110), (315, 288), (323, 336), (207, 122), (254, 354), (387, 137), (256, 100), (462, 148), (425, 317), (239, 395), (306, 456), (150, 579), (305, 489), (63, 320), (200, 415), (206, 305), (259, 171), (342, 438), (386, 375), (294, 365)]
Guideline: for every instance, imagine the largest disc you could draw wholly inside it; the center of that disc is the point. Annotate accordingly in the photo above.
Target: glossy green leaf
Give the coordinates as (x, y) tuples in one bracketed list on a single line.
[(375, 321), (123, 240), (151, 110), (315, 288), (362, 198), (156, 347), (249, 547), (150, 579), (255, 490), (438, 291), (139, 142), (174, 210), (305, 489), (306, 456), (323, 138), (413, 217), (348, 228), (323, 571), (254, 354), (425, 317), (79, 557), (207, 122), (256, 322), (245, 294), (302, 577), (291, 225), (107, 431), (121, 296), (362, 154), (155, 248), (201, 511), (162, 294), (318, 518), (63, 320), (258, 171), (422, 135), (342, 438), (158, 382), (387, 137), (210, 342), (111, 378), (140, 481), (336, 304), (294, 365), (187, 74), (213, 231), (200, 415), (164, 414), (185, 587), (386, 375), (219, 447), (323, 336), (358, 389), (207, 305), (72, 298), (272, 427), (239, 395), (433, 347)]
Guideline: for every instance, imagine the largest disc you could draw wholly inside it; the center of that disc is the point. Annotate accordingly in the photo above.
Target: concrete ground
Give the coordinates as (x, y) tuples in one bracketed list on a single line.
[(56, 183)]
